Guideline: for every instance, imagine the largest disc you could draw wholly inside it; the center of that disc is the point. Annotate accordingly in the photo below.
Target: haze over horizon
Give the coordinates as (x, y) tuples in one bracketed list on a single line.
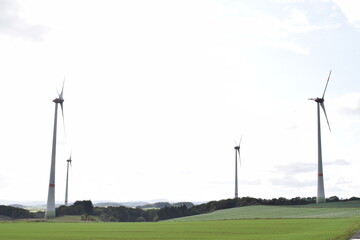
[(157, 91)]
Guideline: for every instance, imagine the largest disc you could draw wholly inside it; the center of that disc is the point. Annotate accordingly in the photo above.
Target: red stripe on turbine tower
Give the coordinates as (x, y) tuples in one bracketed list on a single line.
[(320, 174), (51, 185)]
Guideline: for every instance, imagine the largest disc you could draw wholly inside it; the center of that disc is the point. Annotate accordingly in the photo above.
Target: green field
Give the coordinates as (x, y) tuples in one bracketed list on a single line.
[(270, 212), (245, 223), (270, 229)]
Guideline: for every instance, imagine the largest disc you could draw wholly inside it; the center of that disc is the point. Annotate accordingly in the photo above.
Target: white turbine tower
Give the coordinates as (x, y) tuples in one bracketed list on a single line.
[(237, 153), (320, 182), (50, 207), (67, 180)]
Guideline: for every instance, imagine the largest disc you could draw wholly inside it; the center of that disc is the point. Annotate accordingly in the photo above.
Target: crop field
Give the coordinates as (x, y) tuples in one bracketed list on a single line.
[(245, 223), (266, 212), (271, 229)]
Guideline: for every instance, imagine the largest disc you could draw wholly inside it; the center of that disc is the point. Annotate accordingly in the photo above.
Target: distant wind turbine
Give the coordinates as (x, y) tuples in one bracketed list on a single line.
[(67, 180), (237, 153), (320, 183), (50, 207)]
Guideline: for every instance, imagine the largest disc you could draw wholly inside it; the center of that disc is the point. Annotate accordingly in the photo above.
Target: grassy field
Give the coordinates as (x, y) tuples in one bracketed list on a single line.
[(246, 223), (349, 204), (271, 229), (266, 212)]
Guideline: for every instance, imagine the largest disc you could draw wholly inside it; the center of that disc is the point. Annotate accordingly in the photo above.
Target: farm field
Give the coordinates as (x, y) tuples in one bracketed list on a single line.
[(245, 223), (271, 229), (266, 212)]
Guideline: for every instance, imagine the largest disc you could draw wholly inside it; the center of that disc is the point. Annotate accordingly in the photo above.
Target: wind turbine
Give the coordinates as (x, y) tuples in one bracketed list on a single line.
[(237, 152), (320, 182), (50, 207), (67, 180)]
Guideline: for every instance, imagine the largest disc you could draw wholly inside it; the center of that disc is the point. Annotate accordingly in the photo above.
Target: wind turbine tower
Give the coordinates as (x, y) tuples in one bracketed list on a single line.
[(50, 207), (237, 153), (320, 181), (67, 180)]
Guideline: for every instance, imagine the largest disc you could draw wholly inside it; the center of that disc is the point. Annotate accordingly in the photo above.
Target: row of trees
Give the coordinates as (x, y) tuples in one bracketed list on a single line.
[(167, 211), (78, 208), (125, 214), (16, 213)]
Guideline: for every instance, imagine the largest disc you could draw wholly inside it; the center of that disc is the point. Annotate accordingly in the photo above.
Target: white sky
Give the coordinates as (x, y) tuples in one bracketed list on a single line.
[(156, 92)]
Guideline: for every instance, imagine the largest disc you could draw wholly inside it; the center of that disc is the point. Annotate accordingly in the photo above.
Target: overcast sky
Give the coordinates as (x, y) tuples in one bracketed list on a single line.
[(156, 92)]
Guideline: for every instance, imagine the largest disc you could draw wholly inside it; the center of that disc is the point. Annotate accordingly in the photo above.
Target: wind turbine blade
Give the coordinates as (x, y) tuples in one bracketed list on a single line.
[(239, 157), (326, 85), (323, 107), (240, 140), (62, 90), (62, 111), (235, 143)]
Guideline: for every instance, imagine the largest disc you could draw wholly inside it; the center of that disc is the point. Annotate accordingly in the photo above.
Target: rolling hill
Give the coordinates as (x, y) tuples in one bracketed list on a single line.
[(327, 210)]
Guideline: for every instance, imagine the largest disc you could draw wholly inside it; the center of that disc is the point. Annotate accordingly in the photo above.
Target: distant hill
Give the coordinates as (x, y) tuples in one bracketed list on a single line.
[(166, 204), (179, 204), (155, 205), (17, 205), (118, 204), (107, 204), (143, 205), (133, 204)]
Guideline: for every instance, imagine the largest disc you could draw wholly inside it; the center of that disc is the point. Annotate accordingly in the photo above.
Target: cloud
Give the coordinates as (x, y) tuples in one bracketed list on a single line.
[(294, 47), (11, 24), (349, 104), (290, 171), (350, 8), (289, 174), (343, 181), (291, 181), (273, 31), (296, 168), (284, 30), (299, 22), (338, 162), (244, 181), (355, 110)]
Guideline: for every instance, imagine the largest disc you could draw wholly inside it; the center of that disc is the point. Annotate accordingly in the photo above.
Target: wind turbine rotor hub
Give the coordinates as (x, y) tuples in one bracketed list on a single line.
[(319, 100), (237, 147), (58, 100)]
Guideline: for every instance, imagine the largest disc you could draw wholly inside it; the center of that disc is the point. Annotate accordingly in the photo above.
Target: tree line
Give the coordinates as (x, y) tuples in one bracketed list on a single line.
[(127, 214), (18, 213)]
